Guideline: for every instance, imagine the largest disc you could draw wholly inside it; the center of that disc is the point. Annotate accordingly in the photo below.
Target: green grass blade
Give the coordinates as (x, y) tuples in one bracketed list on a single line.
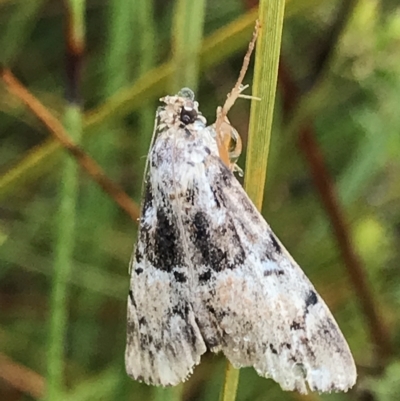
[(100, 210), (187, 34), (63, 260), (268, 46), (18, 28), (264, 86), (215, 48), (168, 393), (101, 387), (231, 383), (147, 54), (66, 215)]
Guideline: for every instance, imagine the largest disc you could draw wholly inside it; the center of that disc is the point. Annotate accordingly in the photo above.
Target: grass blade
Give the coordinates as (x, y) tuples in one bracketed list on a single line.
[(66, 216), (264, 86), (18, 28), (187, 35), (230, 383)]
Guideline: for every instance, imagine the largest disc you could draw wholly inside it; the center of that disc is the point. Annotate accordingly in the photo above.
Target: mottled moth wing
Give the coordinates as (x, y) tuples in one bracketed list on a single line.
[(257, 306), (164, 342), (208, 272)]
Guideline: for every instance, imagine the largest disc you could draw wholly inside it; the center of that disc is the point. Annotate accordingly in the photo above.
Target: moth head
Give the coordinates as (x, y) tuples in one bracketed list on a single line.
[(188, 114), (181, 110)]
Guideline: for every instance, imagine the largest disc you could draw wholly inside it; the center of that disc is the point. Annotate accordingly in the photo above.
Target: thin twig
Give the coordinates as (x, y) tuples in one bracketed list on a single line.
[(58, 131), (21, 378), (238, 88), (223, 129)]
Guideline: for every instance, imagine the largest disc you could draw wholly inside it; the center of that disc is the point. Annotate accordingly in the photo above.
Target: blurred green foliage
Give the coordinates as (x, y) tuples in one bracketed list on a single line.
[(351, 101)]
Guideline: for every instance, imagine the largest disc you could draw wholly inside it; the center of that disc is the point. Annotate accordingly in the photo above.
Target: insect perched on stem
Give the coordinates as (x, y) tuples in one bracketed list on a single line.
[(207, 271)]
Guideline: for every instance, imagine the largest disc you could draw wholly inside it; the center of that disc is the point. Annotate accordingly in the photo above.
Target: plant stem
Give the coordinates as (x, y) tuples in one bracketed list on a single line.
[(264, 86), (68, 196)]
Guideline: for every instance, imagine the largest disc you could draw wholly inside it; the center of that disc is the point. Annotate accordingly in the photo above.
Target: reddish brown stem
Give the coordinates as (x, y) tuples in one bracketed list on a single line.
[(75, 47), (58, 131), (21, 378), (326, 190)]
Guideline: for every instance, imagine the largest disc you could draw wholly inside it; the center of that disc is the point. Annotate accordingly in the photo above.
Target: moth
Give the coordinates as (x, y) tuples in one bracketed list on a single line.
[(208, 273)]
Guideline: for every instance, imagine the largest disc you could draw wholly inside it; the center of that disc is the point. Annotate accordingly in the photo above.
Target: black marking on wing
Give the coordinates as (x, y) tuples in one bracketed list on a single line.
[(147, 197), (211, 255), (311, 299), (269, 272), (226, 175), (239, 256), (277, 247), (131, 297), (190, 334), (139, 270), (331, 333), (295, 326), (206, 242), (218, 198), (138, 255), (306, 343), (180, 277), (191, 195), (273, 349), (219, 315), (205, 277), (225, 183), (146, 340), (144, 236), (167, 246), (181, 310), (210, 328)]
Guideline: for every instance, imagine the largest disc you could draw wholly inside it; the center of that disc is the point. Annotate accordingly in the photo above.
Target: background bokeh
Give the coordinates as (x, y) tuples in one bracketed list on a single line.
[(332, 193)]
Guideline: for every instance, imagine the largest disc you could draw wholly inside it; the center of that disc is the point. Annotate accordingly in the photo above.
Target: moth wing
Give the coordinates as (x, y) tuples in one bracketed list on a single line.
[(257, 305), (163, 340)]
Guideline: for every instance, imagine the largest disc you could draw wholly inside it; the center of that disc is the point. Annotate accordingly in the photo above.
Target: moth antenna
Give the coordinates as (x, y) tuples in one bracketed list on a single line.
[(145, 174), (153, 136)]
